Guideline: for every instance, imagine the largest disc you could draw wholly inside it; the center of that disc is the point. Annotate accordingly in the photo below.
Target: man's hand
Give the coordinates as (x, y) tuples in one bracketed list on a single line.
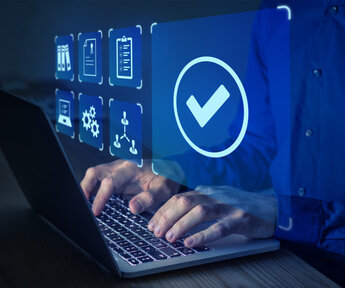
[(184, 211), (124, 177)]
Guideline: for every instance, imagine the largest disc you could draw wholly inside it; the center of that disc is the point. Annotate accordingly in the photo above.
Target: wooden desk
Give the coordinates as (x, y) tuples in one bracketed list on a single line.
[(33, 255)]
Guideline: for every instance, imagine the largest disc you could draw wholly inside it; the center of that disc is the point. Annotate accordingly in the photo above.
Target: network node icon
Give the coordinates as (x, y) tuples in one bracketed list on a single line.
[(64, 112), (91, 120), (125, 57), (126, 130), (64, 57), (90, 57)]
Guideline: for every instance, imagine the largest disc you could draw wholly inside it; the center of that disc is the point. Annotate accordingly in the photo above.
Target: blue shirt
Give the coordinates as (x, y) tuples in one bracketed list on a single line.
[(295, 140)]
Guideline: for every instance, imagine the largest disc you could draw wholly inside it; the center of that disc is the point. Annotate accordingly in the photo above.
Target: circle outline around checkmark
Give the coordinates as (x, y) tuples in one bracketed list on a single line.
[(233, 74)]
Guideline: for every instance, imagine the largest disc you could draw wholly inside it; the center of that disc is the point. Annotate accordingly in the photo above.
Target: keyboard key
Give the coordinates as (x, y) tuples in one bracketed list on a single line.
[(152, 240), (126, 222), (186, 251), (133, 217), (142, 222), (145, 259), (201, 249), (132, 261), (137, 253), (131, 248), (104, 229), (123, 243), (127, 213), (119, 229), (177, 244), (170, 252), (157, 255), (125, 255), (132, 226), (148, 249), (144, 233), (127, 234), (140, 243), (159, 244), (109, 233), (117, 250), (133, 238), (116, 238), (114, 225), (108, 221)]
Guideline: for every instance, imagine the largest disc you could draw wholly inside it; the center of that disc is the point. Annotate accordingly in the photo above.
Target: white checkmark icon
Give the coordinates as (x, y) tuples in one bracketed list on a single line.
[(204, 114)]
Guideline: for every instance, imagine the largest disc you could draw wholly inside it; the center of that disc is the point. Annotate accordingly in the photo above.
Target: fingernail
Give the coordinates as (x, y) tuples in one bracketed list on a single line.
[(151, 226), (157, 230), (169, 235), (136, 206), (189, 241), (94, 210)]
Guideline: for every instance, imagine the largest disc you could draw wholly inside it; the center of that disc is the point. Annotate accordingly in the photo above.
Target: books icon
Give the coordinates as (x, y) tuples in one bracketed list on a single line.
[(124, 58), (64, 59)]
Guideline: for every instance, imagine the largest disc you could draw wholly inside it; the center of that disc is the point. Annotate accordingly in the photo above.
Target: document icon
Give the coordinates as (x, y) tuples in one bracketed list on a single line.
[(124, 58), (90, 57)]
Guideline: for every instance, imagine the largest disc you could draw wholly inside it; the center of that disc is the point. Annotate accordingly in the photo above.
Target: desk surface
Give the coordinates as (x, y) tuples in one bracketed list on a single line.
[(33, 255)]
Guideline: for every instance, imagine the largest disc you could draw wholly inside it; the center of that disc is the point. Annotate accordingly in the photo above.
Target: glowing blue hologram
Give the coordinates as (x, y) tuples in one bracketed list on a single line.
[(125, 57), (212, 105), (126, 130), (287, 8), (90, 57), (64, 57), (287, 228), (90, 120), (65, 112), (204, 114)]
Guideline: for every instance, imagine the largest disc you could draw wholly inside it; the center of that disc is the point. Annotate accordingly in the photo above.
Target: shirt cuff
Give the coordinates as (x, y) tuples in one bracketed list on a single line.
[(299, 219)]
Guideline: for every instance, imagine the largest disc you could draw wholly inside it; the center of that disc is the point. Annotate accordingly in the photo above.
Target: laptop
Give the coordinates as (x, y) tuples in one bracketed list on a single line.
[(118, 240), (65, 113)]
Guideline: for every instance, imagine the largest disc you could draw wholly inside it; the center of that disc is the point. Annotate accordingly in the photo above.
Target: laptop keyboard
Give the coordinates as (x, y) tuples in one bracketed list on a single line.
[(128, 236)]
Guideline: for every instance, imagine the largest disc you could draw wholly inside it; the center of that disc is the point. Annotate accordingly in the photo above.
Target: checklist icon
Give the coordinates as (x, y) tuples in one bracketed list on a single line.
[(124, 55)]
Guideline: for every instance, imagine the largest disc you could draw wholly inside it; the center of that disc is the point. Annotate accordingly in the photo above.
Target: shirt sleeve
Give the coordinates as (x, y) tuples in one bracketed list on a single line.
[(312, 222)]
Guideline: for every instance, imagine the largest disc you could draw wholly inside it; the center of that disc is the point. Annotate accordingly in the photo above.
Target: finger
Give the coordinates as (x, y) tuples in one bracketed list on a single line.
[(123, 176), (145, 200), (103, 195), (90, 182), (216, 231), (171, 212), (200, 213)]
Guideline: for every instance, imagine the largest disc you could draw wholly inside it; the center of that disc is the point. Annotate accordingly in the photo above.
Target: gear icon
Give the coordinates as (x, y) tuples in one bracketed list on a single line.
[(92, 112), (94, 128), (86, 120)]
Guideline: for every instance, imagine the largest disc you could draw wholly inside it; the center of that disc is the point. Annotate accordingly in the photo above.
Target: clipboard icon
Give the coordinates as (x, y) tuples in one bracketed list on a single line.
[(124, 58)]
